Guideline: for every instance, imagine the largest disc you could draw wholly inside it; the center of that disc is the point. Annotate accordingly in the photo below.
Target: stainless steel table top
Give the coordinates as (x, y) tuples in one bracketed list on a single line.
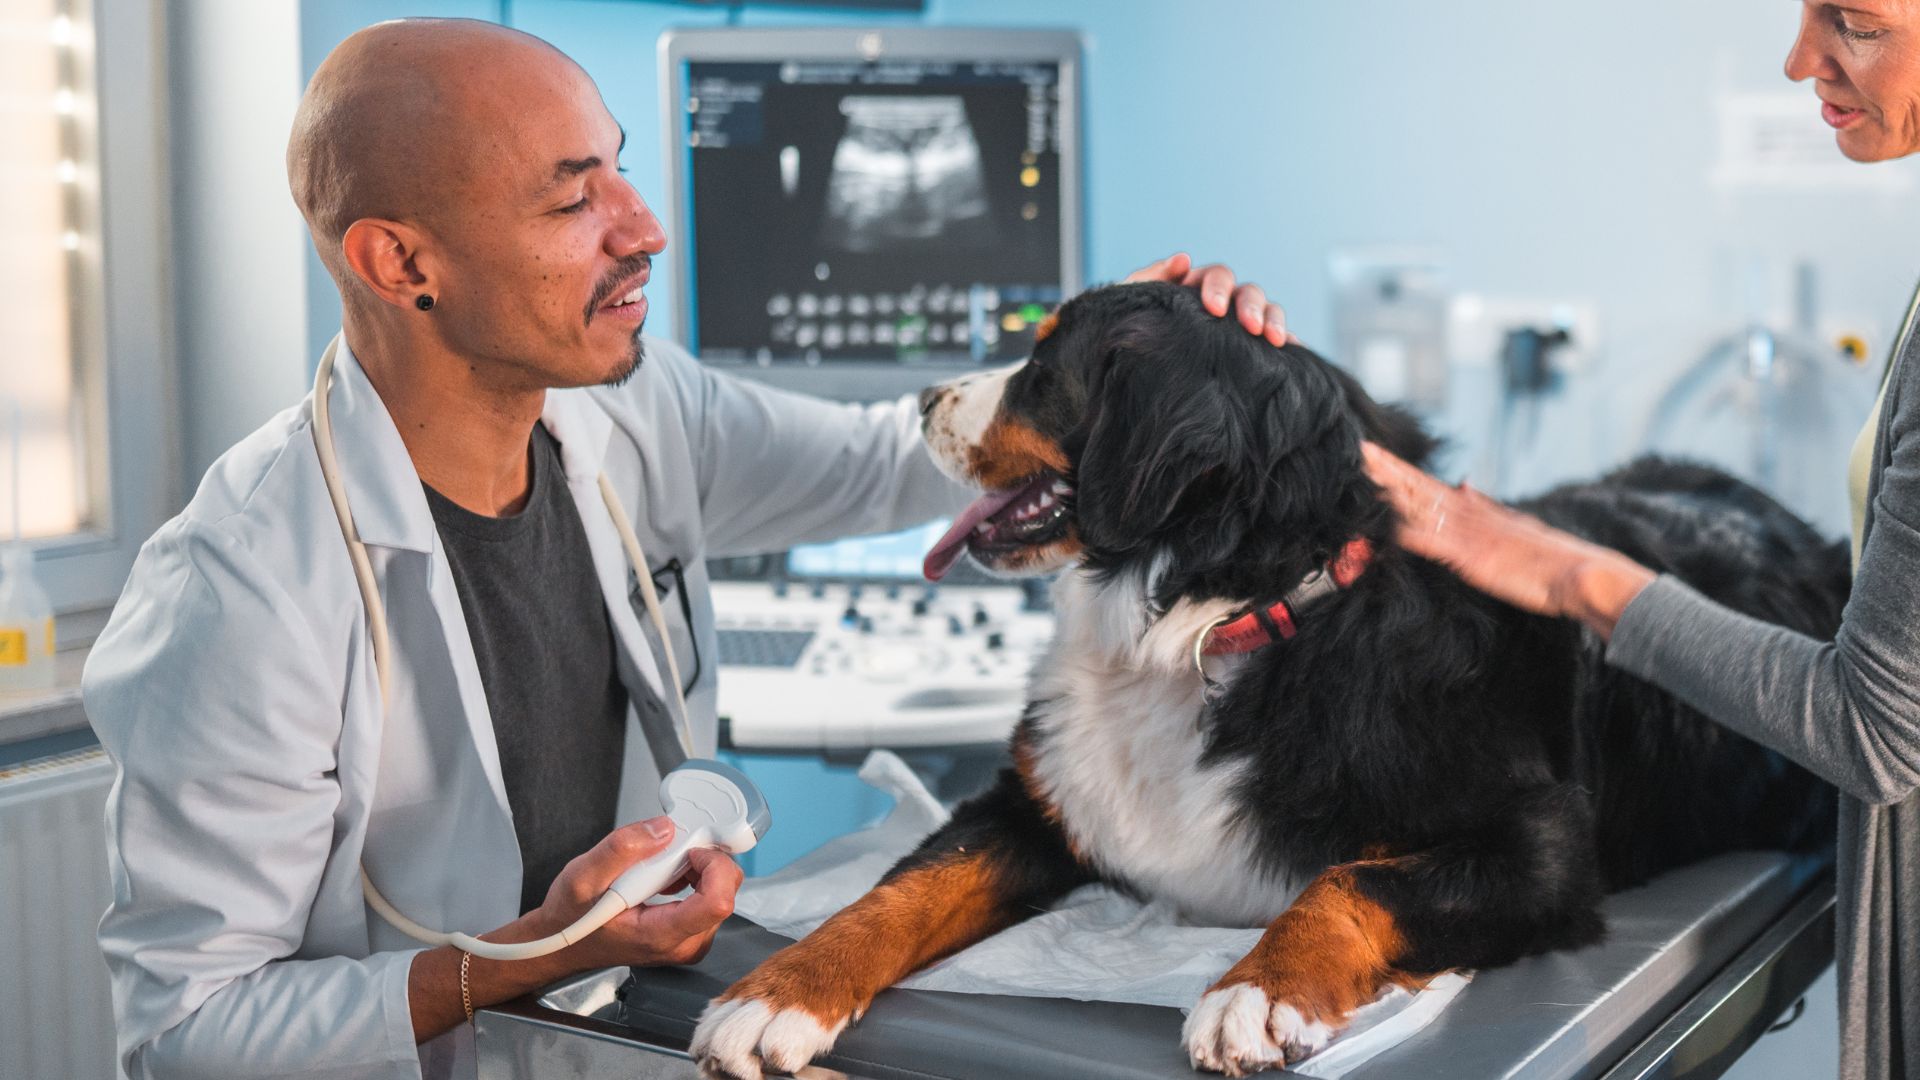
[(1732, 940)]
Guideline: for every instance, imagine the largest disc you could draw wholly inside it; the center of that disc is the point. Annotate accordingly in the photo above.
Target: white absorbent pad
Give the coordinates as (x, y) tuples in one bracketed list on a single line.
[(1094, 945)]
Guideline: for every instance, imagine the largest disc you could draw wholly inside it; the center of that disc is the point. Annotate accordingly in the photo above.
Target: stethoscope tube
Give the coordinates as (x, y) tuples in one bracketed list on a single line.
[(609, 905)]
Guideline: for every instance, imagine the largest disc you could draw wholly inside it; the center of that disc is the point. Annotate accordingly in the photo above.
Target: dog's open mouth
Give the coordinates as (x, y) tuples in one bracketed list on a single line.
[(1000, 522)]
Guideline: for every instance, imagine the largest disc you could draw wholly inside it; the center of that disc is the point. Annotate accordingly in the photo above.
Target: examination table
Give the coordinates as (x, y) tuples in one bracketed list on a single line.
[(1696, 966)]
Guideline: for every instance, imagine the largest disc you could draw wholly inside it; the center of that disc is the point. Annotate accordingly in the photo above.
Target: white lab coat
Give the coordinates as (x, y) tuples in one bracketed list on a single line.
[(235, 689)]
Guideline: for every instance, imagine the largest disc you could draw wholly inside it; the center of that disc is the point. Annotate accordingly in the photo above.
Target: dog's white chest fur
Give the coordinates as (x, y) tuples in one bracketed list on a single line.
[(1119, 757)]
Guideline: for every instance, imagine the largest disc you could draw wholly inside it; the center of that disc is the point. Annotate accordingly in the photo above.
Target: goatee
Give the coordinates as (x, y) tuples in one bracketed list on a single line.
[(626, 370)]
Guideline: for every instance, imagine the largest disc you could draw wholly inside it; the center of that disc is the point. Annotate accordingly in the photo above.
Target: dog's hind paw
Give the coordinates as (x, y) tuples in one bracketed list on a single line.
[(742, 1038), (1236, 1030)]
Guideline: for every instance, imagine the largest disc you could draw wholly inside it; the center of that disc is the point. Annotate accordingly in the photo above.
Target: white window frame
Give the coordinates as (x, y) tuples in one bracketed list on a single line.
[(124, 364)]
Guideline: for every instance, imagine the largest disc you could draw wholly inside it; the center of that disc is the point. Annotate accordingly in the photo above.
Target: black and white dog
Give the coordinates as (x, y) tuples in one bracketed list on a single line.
[(1261, 709)]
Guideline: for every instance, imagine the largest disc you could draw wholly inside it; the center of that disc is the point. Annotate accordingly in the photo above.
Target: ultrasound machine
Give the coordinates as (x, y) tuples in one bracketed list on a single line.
[(840, 648), (863, 212)]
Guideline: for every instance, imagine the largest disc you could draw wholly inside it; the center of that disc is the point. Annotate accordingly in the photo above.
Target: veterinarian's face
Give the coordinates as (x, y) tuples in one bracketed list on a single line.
[(1864, 59), (547, 237)]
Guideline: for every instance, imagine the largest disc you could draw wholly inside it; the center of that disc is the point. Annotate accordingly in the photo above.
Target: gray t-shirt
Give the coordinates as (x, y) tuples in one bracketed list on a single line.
[(538, 620)]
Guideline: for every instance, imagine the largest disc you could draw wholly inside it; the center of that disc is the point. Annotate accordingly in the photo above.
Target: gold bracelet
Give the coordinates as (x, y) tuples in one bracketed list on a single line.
[(466, 995)]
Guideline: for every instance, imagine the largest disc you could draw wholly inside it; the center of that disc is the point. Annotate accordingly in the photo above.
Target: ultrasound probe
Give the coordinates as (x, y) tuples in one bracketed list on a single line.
[(712, 804)]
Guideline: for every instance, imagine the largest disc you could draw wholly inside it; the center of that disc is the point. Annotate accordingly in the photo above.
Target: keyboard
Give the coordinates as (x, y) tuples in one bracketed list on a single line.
[(763, 648), (839, 666)]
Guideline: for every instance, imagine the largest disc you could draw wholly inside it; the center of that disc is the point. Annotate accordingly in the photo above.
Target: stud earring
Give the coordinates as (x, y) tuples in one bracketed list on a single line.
[(423, 302)]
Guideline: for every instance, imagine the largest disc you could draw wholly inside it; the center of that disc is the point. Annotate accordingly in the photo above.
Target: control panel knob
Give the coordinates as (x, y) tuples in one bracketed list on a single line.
[(919, 608), (996, 640), (1033, 595), (955, 626), (980, 615), (851, 616)]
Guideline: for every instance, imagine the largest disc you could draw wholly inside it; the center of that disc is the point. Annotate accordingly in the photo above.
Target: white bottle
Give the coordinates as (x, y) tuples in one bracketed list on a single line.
[(26, 624)]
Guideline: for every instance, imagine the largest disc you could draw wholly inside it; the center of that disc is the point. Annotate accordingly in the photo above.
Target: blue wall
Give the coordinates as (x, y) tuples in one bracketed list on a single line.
[(1549, 150)]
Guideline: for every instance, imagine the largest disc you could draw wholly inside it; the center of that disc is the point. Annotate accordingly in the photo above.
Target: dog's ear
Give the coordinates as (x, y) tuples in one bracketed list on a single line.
[(1154, 441)]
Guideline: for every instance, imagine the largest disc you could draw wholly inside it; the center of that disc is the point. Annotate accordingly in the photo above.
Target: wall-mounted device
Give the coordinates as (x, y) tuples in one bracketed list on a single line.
[(1390, 320)]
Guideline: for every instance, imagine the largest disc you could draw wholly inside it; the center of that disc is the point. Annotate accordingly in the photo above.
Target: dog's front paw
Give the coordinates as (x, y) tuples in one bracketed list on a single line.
[(743, 1037), (1236, 1029)]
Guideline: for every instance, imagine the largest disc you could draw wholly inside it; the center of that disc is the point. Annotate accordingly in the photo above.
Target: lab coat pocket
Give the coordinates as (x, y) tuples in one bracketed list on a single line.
[(676, 606)]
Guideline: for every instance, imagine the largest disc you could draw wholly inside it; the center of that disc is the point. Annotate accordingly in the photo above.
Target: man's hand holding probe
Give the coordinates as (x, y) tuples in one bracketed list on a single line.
[(675, 932)]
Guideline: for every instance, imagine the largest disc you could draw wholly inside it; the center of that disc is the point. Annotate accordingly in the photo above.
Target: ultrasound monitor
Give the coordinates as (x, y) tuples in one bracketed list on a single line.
[(862, 212), (886, 559), (893, 556)]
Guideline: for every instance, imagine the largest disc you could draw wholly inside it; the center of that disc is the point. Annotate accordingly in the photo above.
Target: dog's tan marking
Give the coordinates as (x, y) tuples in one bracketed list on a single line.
[(1044, 557), (1023, 765), (1010, 452), (1331, 952), (901, 926), (1328, 954), (1046, 327)]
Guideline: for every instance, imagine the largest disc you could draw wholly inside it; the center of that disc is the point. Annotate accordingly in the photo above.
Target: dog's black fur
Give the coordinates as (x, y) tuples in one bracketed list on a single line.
[(1460, 782), (1413, 714)]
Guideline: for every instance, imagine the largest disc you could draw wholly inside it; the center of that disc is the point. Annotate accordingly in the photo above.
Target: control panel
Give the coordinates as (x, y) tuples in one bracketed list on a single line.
[(843, 665)]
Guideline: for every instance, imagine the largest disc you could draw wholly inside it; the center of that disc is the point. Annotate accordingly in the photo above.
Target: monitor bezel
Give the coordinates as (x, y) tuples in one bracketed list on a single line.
[(860, 381)]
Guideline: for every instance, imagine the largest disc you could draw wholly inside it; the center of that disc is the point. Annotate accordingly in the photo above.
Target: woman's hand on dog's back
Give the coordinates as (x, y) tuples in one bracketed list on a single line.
[(1216, 284), (1504, 553)]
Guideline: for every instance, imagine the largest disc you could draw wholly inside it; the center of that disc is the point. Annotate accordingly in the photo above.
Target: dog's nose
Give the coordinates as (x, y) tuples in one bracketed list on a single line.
[(929, 398)]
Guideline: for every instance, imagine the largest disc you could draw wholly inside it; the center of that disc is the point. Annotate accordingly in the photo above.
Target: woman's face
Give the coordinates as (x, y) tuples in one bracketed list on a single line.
[(1864, 59)]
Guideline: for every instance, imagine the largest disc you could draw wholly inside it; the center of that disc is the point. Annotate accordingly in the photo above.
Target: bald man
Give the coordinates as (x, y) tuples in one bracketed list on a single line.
[(461, 184)]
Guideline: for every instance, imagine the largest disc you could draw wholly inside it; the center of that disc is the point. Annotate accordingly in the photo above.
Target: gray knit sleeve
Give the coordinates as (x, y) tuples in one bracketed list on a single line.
[(1849, 709)]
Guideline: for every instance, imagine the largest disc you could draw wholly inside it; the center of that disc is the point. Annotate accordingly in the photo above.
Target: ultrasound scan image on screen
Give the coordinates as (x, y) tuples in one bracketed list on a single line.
[(900, 212), (906, 171), (887, 556)]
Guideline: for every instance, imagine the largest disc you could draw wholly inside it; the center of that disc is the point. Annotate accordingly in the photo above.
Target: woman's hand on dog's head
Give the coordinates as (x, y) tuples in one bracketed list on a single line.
[(1504, 553), (1216, 284)]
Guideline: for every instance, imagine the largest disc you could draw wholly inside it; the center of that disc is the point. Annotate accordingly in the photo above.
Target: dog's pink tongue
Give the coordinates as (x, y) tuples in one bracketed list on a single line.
[(949, 548)]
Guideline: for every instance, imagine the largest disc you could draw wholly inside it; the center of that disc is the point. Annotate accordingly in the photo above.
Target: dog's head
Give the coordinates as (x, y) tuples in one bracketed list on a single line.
[(1143, 428)]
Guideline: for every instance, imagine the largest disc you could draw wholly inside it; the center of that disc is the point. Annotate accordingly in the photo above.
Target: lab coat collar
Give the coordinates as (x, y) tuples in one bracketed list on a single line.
[(582, 429), (389, 505)]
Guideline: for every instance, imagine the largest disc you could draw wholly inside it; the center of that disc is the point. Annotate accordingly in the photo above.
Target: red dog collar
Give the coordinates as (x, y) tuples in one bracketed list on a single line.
[(1264, 626)]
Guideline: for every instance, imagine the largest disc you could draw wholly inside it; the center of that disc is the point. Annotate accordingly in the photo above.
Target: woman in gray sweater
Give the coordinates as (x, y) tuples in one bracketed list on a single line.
[(1849, 709)]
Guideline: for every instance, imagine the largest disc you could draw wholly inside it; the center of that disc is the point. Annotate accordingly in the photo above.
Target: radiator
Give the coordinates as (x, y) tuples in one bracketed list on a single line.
[(56, 1019)]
